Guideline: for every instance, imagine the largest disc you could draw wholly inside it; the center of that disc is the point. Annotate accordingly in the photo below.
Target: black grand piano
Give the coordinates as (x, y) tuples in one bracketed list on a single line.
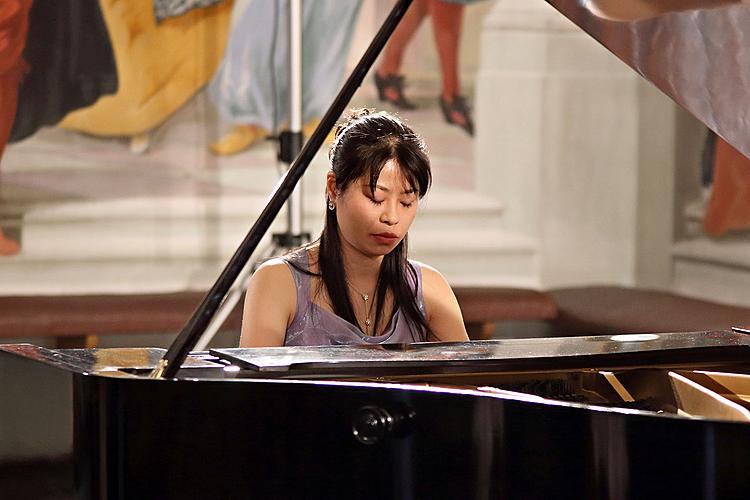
[(619, 416)]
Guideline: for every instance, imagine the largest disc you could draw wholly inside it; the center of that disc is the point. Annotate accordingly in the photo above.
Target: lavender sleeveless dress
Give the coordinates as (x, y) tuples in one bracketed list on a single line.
[(313, 325)]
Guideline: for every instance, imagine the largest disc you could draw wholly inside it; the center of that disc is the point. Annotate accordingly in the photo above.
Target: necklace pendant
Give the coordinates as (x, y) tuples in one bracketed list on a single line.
[(367, 322), (365, 297)]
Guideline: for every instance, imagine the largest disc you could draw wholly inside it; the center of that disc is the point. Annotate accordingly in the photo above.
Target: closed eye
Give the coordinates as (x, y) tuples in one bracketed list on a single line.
[(376, 202), (407, 205)]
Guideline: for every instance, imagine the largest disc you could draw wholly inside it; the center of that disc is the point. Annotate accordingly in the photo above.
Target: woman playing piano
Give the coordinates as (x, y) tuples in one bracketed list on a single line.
[(354, 285)]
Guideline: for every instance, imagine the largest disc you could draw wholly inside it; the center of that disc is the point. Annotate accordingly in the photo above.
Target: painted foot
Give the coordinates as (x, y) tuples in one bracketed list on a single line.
[(139, 143), (309, 127), (238, 139), (457, 112)]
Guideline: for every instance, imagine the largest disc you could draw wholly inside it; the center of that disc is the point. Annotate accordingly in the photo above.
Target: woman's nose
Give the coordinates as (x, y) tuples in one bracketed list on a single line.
[(388, 216)]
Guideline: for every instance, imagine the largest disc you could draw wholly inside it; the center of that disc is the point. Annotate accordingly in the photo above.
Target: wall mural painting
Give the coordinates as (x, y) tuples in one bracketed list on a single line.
[(121, 69), (118, 69), (91, 83), (161, 63)]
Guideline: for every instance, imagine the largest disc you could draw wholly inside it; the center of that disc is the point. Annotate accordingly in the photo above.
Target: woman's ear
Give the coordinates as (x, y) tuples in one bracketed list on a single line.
[(331, 186)]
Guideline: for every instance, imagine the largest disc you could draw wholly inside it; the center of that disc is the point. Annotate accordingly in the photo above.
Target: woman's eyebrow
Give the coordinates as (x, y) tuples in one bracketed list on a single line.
[(387, 190)]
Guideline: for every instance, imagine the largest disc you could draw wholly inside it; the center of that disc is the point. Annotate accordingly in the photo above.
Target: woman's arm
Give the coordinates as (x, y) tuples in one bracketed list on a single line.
[(441, 306), (270, 304)]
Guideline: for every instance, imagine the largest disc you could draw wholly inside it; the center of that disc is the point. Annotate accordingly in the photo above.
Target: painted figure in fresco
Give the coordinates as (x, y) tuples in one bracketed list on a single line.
[(38, 86), (161, 65), (74, 75), (251, 87), (728, 207), (447, 16), (14, 24), (14, 17)]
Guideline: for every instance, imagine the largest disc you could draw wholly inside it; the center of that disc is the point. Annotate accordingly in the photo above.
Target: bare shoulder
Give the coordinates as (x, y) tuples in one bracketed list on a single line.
[(443, 312), (273, 280), (435, 287), (274, 270), (432, 278), (270, 305)]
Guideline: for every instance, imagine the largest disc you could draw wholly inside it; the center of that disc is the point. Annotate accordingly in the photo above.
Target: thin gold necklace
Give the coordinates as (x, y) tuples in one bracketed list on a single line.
[(368, 305)]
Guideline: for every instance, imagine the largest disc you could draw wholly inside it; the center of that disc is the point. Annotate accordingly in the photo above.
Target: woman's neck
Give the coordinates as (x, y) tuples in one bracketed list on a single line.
[(362, 271)]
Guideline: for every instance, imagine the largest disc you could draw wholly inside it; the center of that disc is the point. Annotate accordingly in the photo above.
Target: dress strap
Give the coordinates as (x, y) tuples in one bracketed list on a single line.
[(298, 263), (417, 286)]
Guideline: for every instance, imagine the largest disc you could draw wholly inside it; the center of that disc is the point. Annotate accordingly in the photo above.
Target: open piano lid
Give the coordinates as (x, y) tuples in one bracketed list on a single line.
[(699, 57)]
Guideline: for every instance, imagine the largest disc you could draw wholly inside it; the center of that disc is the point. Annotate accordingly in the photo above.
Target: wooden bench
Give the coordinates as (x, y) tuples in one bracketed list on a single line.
[(78, 321), (484, 307), (609, 309)]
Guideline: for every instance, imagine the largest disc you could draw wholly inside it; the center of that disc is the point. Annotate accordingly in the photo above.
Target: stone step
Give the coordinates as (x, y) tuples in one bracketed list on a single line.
[(471, 257), (162, 245), (439, 210), (468, 258), (714, 269), (67, 277), (198, 228)]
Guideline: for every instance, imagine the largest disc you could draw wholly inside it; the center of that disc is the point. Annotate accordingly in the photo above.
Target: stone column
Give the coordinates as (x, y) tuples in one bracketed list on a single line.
[(560, 123)]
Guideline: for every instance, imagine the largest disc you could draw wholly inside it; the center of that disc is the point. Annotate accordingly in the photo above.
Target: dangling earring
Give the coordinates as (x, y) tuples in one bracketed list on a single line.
[(331, 206)]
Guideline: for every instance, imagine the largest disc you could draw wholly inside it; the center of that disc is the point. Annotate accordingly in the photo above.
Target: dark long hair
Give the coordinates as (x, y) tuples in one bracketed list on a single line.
[(364, 143)]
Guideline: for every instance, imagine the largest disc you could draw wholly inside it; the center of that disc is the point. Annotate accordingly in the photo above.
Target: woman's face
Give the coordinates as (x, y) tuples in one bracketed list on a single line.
[(372, 224)]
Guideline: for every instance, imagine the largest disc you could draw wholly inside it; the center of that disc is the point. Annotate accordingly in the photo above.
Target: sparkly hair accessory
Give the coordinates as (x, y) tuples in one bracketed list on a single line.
[(343, 132)]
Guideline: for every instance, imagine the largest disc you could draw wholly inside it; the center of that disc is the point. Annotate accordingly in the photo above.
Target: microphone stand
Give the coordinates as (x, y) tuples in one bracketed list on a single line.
[(170, 363), (290, 144)]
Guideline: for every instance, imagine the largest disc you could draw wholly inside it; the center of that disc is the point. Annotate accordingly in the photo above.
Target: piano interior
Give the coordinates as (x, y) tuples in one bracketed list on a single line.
[(687, 393)]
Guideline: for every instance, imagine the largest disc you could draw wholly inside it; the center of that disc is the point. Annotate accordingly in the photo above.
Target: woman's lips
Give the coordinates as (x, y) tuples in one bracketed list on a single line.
[(385, 238)]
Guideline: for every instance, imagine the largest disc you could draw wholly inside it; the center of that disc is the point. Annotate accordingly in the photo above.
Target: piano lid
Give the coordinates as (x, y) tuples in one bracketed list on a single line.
[(527, 354), (699, 56)]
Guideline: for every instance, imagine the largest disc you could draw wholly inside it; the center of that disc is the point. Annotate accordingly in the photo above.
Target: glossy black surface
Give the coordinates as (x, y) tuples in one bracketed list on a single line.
[(116, 435), (537, 353)]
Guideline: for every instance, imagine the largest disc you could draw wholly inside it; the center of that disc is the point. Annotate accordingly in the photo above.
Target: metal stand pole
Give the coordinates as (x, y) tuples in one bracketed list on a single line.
[(170, 363), (290, 144)]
